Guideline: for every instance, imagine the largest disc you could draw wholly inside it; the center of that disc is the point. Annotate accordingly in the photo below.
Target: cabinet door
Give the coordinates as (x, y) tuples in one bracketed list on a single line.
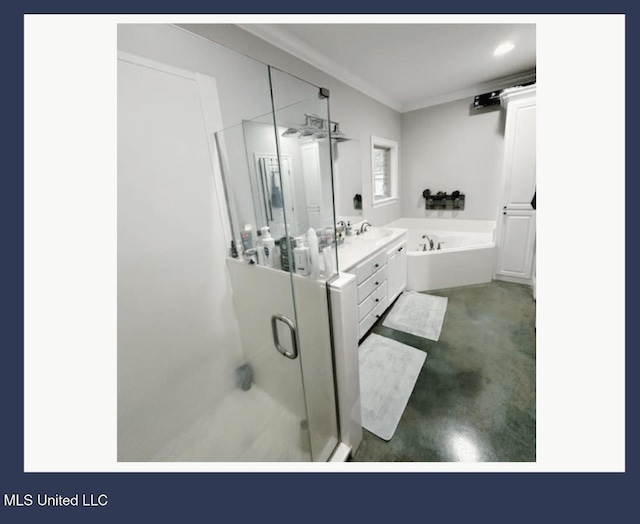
[(517, 243), (520, 154), (397, 270)]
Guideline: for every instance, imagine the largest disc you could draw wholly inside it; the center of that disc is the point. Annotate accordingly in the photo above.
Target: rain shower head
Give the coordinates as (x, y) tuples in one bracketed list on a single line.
[(316, 127)]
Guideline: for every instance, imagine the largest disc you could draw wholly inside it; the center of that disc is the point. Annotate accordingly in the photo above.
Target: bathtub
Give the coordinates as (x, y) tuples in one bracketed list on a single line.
[(466, 255)]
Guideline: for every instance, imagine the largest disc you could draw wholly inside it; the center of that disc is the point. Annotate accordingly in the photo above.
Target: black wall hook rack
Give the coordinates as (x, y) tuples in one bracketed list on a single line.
[(454, 201)]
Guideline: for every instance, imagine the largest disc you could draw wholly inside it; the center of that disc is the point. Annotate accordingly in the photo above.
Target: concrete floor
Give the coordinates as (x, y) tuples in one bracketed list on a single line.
[(475, 398)]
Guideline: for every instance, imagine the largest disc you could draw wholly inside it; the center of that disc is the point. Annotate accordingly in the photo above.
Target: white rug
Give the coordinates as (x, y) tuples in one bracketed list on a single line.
[(418, 314), (388, 374)]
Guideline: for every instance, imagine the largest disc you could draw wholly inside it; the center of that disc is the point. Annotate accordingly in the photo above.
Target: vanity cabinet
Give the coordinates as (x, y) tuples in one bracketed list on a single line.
[(380, 278), (397, 262), (370, 276)]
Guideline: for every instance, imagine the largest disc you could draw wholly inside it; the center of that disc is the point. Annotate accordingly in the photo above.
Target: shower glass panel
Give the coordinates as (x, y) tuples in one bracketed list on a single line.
[(223, 354), (279, 185), (259, 292), (297, 102)]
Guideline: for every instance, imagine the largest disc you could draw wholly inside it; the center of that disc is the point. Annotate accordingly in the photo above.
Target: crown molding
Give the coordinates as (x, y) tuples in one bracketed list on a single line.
[(306, 53), (296, 47), (499, 83)]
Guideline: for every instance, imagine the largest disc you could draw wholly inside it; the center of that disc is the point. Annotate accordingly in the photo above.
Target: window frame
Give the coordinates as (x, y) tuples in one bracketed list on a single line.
[(392, 146)]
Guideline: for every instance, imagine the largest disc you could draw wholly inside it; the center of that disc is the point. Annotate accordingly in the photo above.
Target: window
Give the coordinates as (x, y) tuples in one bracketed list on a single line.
[(384, 169)]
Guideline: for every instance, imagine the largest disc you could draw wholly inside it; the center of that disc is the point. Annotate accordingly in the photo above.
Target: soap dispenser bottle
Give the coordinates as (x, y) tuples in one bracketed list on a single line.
[(301, 257), (268, 246), (349, 229)]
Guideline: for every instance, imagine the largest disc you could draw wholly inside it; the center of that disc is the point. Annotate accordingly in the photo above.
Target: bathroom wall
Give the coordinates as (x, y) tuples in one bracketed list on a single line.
[(359, 115), (452, 147), (176, 326)]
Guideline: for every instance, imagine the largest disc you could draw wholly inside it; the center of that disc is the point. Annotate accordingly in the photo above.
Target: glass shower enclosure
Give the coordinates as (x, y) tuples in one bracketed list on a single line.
[(278, 180), (224, 340)]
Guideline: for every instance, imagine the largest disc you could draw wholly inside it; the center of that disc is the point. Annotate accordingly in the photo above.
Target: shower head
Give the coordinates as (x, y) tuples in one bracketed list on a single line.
[(316, 127)]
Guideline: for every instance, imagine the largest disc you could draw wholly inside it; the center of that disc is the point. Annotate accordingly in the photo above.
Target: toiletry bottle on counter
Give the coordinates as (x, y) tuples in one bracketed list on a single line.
[(287, 262), (349, 229), (268, 246), (277, 261), (247, 237), (260, 249), (329, 261), (302, 258), (314, 252)]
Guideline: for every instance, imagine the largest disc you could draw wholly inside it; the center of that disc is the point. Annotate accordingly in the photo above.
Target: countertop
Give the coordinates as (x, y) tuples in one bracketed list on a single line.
[(356, 248)]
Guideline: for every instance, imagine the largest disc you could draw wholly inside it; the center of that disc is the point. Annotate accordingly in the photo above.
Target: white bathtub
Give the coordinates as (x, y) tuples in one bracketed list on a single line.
[(466, 255)]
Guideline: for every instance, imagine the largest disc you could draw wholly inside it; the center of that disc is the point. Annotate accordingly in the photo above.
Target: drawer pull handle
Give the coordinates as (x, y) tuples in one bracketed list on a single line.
[(377, 300), (377, 283), (400, 248), (376, 265), (377, 316)]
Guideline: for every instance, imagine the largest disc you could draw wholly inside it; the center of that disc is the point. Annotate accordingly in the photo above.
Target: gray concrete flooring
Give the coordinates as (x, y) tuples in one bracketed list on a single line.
[(475, 398)]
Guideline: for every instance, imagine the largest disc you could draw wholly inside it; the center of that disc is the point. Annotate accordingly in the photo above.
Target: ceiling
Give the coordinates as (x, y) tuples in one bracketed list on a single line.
[(410, 66)]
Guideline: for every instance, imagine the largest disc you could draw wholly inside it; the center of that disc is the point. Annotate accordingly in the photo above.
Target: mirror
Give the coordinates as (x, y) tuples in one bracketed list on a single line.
[(274, 194), (303, 191), (348, 179)]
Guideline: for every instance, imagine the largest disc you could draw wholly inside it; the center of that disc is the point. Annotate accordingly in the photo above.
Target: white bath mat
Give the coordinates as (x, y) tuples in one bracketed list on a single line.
[(417, 314), (388, 374)]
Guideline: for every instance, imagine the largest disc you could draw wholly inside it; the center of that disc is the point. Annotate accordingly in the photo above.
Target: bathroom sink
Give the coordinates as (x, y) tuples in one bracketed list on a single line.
[(358, 247), (375, 233)]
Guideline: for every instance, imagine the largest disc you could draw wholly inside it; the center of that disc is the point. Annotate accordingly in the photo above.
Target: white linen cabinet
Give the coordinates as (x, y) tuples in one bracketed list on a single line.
[(516, 235)]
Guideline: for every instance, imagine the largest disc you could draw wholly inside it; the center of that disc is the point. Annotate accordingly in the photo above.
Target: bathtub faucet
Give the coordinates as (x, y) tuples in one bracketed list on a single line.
[(430, 243)]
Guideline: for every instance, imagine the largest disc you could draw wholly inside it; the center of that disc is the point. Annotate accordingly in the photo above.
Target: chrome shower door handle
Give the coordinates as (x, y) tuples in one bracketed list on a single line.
[(276, 339)]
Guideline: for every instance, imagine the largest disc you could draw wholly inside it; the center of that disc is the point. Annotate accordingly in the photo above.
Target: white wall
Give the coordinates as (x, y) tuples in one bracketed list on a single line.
[(175, 322), (359, 115), (452, 147)]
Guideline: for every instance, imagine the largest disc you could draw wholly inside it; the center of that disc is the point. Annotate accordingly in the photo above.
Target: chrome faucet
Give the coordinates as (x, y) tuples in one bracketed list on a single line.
[(365, 225), (430, 243)]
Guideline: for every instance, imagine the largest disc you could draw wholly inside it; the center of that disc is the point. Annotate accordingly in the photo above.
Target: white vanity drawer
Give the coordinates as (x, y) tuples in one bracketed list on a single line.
[(370, 319), (370, 266), (372, 283), (372, 301)]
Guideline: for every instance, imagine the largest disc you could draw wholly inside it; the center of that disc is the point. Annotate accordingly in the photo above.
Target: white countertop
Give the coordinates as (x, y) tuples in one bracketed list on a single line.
[(356, 248)]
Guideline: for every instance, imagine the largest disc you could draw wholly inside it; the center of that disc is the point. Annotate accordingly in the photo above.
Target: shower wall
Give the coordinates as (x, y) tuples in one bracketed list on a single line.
[(177, 334)]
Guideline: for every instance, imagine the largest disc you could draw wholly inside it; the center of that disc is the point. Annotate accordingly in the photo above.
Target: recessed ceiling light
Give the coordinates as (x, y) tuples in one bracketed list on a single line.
[(504, 48)]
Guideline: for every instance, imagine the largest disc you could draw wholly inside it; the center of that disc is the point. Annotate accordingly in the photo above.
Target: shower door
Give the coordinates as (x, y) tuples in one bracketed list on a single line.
[(218, 359)]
